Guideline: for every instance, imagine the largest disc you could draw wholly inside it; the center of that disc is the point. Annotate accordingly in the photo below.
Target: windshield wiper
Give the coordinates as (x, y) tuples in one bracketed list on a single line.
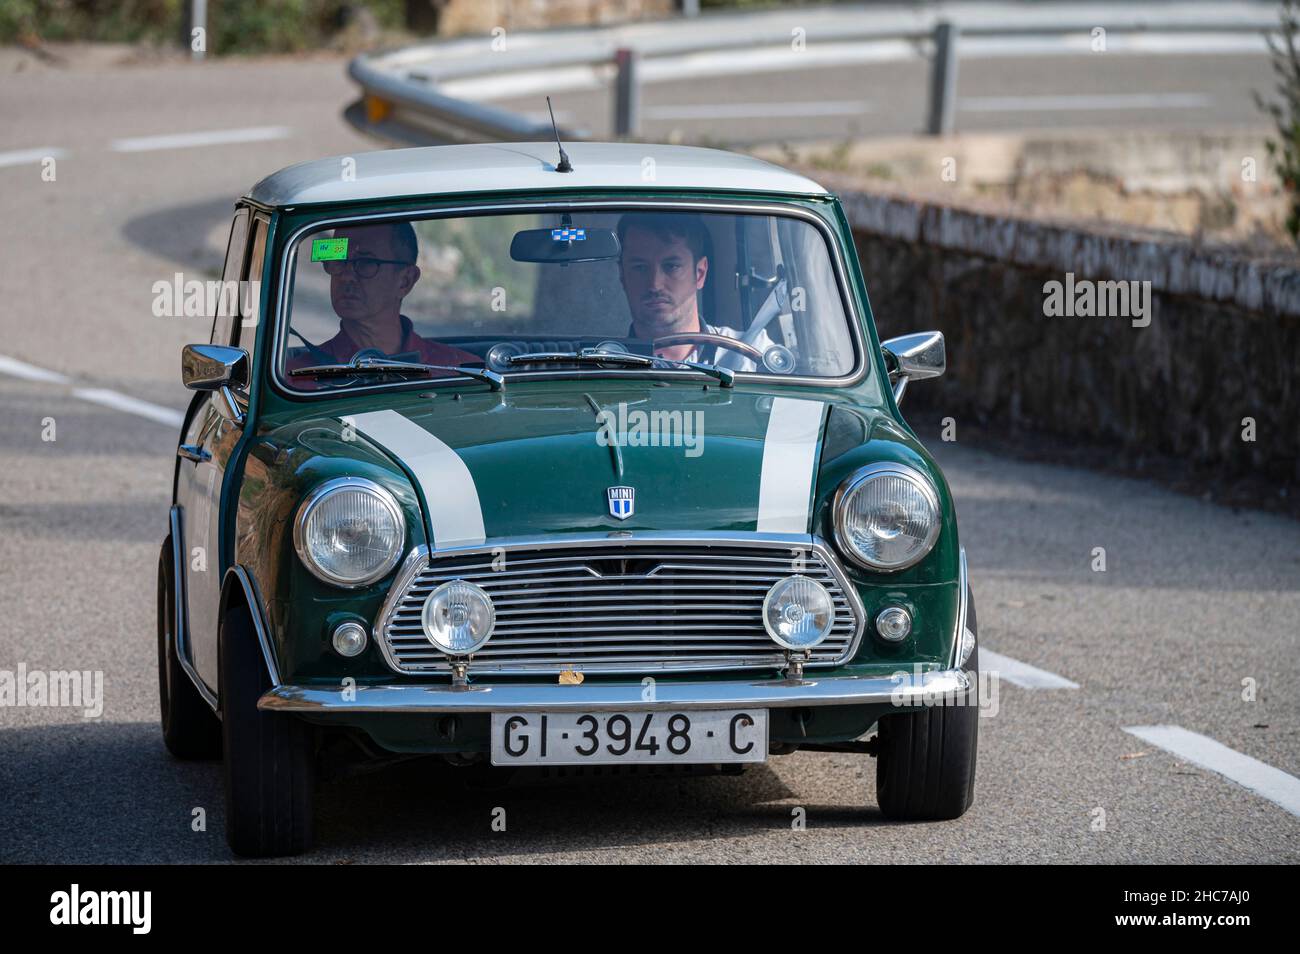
[(592, 356), (585, 356), (373, 365), (726, 377)]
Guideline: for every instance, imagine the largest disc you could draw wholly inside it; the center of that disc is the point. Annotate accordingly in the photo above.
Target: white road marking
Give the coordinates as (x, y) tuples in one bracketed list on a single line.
[(214, 137), (1068, 102), (449, 489), (123, 402), (1022, 674), (101, 396), (29, 372), (785, 481), (523, 82), (843, 107), (23, 156), (1262, 779)]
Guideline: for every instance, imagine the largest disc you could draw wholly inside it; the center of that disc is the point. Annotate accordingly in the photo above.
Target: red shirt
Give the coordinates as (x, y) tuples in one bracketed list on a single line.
[(341, 348)]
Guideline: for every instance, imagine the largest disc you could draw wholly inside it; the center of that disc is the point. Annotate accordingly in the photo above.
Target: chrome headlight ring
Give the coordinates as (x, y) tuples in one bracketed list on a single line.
[(854, 483), (303, 542)]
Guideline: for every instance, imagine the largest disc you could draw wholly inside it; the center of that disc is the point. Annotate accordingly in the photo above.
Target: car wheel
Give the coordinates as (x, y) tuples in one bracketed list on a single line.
[(925, 762), (270, 756), (191, 730)]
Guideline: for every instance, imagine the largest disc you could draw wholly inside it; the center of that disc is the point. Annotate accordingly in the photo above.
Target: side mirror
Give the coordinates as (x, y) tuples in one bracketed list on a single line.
[(206, 367), (913, 358)]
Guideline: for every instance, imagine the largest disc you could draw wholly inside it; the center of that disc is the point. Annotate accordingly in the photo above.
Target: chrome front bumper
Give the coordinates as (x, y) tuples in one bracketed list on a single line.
[(898, 689)]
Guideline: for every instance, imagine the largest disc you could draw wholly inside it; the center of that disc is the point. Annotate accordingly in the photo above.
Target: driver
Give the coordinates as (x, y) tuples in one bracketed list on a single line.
[(366, 291), (663, 267)]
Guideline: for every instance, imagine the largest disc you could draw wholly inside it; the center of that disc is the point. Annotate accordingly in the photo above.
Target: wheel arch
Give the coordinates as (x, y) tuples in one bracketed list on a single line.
[(239, 589)]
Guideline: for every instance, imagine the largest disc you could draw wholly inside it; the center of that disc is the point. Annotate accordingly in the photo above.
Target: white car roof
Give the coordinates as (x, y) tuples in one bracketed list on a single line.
[(527, 166)]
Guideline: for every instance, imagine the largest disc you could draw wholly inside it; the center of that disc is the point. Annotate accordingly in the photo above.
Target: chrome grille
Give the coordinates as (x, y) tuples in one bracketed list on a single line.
[(625, 606)]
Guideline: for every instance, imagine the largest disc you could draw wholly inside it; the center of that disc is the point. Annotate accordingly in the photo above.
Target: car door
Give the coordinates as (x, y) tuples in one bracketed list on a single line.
[(210, 443)]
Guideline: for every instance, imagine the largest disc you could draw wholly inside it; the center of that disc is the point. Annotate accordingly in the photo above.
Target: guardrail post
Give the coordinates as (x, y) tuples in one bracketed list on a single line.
[(690, 8), (627, 95), (943, 79), (198, 20)]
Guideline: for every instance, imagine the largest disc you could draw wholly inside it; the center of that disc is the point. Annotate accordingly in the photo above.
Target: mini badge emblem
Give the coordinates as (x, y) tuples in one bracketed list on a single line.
[(622, 501)]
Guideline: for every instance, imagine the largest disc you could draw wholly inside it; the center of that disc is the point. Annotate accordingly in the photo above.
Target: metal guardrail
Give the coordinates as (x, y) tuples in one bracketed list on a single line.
[(404, 104), (388, 100)]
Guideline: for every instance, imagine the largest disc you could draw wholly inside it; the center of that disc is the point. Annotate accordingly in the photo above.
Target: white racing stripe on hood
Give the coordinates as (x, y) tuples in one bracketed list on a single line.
[(785, 484), (446, 482)]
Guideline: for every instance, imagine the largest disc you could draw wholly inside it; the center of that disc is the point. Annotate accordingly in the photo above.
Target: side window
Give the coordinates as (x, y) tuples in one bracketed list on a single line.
[(251, 290), (223, 324)]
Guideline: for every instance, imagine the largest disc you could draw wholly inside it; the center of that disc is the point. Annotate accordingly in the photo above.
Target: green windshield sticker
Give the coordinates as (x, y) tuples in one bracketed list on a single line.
[(329, 250)]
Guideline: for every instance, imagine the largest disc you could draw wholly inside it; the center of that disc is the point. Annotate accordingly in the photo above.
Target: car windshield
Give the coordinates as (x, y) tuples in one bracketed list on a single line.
[(752, 293)]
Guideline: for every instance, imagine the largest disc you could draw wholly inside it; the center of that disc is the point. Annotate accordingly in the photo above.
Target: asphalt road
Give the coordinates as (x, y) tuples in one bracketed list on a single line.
[(1195, 598)]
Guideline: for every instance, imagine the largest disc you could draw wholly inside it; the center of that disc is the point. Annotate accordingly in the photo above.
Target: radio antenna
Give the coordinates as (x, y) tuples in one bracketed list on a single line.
[(564, 165)]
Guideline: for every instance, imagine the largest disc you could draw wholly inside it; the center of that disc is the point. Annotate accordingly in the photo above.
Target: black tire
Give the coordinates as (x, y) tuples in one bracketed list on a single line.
[(925, 763), (270, 763), (191, 730)]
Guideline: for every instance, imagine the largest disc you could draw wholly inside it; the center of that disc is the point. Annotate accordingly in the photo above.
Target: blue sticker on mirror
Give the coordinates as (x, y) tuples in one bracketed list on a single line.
[(567, 234)]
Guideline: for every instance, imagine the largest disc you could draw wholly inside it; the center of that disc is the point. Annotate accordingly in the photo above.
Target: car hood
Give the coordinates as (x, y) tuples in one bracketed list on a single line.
[(519, 463)]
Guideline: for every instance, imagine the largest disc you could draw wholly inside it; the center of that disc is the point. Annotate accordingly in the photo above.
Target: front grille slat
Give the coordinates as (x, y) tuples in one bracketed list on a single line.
[(499, 588), (620, 608), (741, 641)]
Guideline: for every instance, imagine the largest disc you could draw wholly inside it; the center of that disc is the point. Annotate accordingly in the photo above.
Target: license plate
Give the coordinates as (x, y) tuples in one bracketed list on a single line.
[(602, 738)]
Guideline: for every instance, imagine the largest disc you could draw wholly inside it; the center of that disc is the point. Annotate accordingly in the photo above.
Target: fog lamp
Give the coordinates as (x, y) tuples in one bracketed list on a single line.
[(798, 613), (458, 617)]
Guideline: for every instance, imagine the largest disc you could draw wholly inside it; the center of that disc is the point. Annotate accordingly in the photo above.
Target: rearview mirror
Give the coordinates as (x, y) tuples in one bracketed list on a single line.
[(564, 245), (914, 357)]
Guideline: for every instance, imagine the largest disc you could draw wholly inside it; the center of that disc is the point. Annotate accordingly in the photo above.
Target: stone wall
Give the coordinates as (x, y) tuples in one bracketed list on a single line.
[(1215, 183), (455, 17), (1223, 343)]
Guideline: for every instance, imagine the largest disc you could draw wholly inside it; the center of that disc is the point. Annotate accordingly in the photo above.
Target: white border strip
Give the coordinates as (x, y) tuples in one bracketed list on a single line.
[(1022, 674), (785, 483), (448, 486), (1277, 786)]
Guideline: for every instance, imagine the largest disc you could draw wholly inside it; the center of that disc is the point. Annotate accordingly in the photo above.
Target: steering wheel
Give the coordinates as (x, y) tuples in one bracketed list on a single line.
[(701, 337)]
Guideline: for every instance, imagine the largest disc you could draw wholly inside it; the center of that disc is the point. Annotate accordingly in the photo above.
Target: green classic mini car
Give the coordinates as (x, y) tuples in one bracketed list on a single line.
[(528, 459)]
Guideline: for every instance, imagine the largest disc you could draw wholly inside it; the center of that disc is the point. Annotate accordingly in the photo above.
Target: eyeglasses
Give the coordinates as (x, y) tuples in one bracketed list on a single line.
[(361, 267)]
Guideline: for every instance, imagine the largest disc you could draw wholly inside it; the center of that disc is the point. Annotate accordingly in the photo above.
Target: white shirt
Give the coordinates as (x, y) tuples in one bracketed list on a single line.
[(737, 361)]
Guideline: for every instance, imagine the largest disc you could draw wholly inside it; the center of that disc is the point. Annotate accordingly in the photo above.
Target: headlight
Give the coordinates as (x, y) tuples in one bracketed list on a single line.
[(349, 531), (886, 517), (458, 617), (798, 612)]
